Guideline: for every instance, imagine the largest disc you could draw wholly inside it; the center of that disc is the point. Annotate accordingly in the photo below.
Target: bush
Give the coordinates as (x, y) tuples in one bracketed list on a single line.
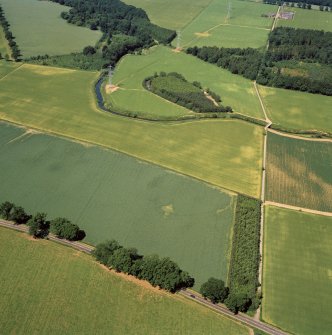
[(215, 290), (38, 225), (63, 228)]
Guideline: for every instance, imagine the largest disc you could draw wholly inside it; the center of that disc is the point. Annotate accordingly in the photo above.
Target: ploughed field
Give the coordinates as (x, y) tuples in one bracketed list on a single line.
[(299, 172), (62, 101), (47, 288), (113, 196), (297, 271)]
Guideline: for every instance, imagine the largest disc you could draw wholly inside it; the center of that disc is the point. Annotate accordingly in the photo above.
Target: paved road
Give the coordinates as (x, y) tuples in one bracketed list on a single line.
[(188, 294), (238, 317)]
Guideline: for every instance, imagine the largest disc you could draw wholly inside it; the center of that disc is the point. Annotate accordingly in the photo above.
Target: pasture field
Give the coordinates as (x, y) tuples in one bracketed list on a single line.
[(47, 288), (244, 27), (299, 172), (307, 19), (111, 195), (224, 153), (40, 30), (297, 271), (297, 110), (171, 14), (234, 90), (7, 67), (4, 47)]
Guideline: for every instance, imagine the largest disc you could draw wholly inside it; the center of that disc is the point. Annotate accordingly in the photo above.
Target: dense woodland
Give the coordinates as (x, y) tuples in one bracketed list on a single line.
[(161, 272), (174, 87), (323, 4), (16, 53), (244, 265), (126, 28)]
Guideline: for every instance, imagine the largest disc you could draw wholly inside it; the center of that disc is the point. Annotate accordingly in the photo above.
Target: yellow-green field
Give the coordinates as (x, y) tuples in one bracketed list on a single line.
[(298, 110), (224, 153), (299, 172), (243, 27), (234, 90), (4, 47), (47, 288), (307, 19), (297, 275), (172, 14), (39, 29)]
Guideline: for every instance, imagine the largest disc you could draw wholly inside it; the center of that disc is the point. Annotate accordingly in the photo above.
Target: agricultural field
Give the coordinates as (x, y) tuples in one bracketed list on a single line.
[(307, 19), (171, 14), (56, 37), (73, 294), (4, 47), (299, 172), (242, 27), (235, 91), (7, 67), (297, 110), (297, 274), (140, 205), (224, 153)]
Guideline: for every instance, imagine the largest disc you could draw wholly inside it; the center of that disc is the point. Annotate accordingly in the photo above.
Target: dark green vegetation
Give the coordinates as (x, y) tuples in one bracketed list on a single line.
[(47, 288), (112, 195), (15, 51), (125, 28), (310, 47), (243, 272), (10, 211), (215, 290), (245, 62), (303, 3), (163, 272), (297, 263), (174, 87), (299, 172)]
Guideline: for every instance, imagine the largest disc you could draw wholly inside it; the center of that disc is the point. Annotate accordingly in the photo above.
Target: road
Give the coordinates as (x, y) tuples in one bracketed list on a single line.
[(238, 317)]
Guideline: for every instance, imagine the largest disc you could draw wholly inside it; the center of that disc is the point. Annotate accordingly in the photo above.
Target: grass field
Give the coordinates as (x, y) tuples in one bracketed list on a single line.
[(172, 14), (298, 110), (50, 289), (244, 28), (308, 19), (140, 205), (4, 47), (40, 30), (299, 172), (297, 272), (7, 67), (234, 90), (225, 153)]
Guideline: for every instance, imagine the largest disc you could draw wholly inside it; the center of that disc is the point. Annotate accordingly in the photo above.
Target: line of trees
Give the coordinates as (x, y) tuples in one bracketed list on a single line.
[(306, 4), (39, 226), (16, 53), (174, 87), (161, 272)]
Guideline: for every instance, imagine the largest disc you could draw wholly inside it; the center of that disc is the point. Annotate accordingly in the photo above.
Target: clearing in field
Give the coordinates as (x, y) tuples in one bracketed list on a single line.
[(171, 14), (308, 19), (229, 24), (4, 47), (234, 90), (297, 110), (73, 294), (40, 30), (224, 153), (297, 273), (111, 195), (299, 172)]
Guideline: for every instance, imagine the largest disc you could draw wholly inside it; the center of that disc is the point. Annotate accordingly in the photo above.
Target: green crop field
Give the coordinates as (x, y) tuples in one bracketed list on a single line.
[(298, 110), (308, 19), (111, 195), (299, 172), (244, 27), (297, 272), (40, 30), (225, 153), (4, 47), (172, 14), (47, 288), (235, 91), (7, 67)]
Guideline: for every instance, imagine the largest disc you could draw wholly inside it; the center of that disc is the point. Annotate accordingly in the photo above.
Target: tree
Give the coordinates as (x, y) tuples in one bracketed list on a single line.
[(215, 290), (63, 228), (38, 226), (5, 209), (104, 250), (238, 302), (89, 50), (18, 215)]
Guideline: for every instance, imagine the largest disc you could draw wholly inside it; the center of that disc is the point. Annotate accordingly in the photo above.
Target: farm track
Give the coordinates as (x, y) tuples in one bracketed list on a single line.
[(185, 293)]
